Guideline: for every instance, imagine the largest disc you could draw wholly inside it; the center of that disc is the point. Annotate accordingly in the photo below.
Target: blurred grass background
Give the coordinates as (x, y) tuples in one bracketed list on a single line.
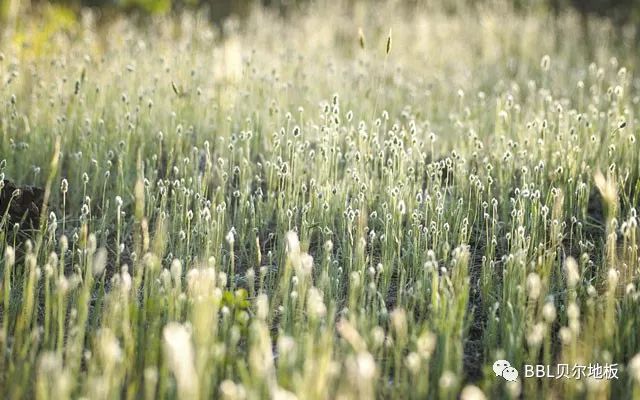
[(624, 15), (133, 80)]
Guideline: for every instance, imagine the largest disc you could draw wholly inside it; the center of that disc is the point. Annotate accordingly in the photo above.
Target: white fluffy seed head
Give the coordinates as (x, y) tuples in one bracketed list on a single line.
[(426, 344), (315, 304), (545, 63), (471, 392), (231, 391), (231, 237), (573, 311), (180, 357), (306, 264), (612, 279), (634, 368), (549, 312), (366, 365), (572, 272), (535, 336), (533, 286), (399, 322), (607, 188), (262, 306), (64, 186), (176, 270), (292, 243), (9, 256)]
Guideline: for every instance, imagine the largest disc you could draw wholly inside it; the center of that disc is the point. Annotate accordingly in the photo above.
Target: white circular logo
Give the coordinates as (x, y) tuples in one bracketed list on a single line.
[(504, 369)]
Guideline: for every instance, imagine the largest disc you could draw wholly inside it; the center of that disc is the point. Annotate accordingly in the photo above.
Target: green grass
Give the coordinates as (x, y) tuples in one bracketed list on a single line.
[(295, 209)]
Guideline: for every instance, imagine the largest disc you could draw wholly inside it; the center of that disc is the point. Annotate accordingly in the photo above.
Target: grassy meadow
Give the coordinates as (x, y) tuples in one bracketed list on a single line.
[(360, 200)]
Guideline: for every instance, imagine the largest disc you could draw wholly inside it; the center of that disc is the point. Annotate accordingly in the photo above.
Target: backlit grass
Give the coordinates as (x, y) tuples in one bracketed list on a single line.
[(356, 202)]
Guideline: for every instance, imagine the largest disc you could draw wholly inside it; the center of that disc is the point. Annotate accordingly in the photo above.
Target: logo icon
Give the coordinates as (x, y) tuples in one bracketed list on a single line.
[(504, 369)]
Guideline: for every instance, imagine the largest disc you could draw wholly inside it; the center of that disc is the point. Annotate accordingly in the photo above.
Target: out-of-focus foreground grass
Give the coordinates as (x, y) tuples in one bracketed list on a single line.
[(363, 200)]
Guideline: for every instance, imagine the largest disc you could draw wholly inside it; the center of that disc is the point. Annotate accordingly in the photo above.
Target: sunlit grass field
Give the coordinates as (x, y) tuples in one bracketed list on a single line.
[(358, 201)]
